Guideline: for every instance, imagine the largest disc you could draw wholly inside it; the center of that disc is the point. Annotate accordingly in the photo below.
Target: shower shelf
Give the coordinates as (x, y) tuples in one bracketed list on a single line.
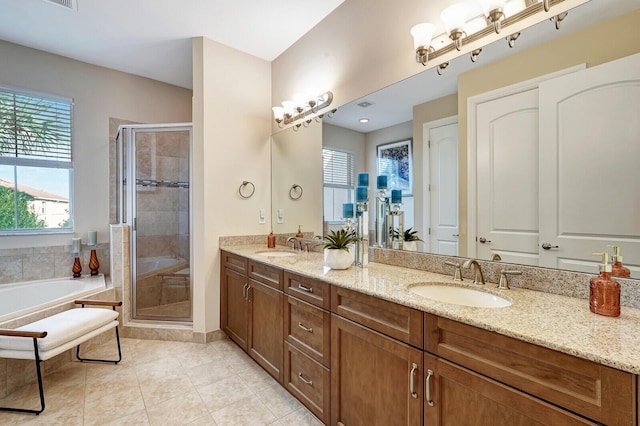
[(163, 183)]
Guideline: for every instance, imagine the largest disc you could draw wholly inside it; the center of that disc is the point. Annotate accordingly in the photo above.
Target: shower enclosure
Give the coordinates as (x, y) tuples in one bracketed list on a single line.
[(153, 198)]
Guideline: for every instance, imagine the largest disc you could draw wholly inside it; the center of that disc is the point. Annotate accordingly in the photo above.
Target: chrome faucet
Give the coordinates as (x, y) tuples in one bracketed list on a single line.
[(294, 242), (457, 274), (504, 279), (478, 271)]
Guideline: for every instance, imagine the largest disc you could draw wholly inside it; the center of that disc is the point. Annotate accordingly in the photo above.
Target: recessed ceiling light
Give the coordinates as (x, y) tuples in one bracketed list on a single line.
[(364, 120)]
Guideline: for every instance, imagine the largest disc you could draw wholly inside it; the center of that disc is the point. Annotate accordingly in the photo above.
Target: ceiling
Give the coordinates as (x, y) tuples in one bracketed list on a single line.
[(394, 104), (152, 38)]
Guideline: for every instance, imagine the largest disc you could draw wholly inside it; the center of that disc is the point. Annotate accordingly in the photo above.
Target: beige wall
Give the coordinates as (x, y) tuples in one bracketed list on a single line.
[(362, 46), (98, 93), (231, 135), (346, 140), (595, 45)]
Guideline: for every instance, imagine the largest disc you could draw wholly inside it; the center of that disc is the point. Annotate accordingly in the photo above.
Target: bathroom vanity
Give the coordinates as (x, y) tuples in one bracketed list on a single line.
[(358, 347)]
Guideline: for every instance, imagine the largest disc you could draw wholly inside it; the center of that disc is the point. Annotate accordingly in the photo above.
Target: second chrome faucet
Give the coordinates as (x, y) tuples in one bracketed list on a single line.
[(457, 274)]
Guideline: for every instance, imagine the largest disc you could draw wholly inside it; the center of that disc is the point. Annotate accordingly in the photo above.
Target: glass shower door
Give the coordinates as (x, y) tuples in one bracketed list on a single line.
[(161, 240)]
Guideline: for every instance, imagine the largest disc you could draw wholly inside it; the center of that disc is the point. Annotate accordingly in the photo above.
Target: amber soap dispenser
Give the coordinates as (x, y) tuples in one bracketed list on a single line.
[(617, 270), (604, 293)]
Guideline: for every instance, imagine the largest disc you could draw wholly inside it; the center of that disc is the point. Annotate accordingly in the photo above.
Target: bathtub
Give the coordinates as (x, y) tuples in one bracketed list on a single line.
[(145, 265), (20, 299)]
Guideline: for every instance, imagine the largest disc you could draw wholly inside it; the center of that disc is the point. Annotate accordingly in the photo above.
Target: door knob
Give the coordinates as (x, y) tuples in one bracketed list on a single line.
[(483, 240), (548, 246)]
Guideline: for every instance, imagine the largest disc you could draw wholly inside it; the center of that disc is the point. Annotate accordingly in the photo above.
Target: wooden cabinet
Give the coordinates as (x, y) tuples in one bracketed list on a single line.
[(308, 380), (375, 380), (251, 310), (592, 390), (264, 343), (307, 333), (233, 310), (457, 396)]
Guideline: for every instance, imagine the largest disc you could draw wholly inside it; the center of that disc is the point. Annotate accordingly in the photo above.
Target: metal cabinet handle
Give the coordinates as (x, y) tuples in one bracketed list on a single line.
[(249, 288), (455, 235), (306, 381), (427, 388), (305, 288), (245, 292), (412, 374), (308, 330), (548, 246), (483, 240)]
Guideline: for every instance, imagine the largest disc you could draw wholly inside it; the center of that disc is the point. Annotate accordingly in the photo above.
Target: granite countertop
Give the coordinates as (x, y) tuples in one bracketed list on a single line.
[(556, 322)]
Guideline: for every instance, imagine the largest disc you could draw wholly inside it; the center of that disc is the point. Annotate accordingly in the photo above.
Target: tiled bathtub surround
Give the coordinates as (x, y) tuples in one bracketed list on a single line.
[(553, 321), (40, 263)]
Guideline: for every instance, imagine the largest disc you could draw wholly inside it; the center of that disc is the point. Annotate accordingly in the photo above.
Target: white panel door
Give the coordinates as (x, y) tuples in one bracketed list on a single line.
[(507, 178), (443, 159), (590, 165)]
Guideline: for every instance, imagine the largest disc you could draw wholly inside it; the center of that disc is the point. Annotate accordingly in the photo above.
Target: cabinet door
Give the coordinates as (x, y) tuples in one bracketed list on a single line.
[(372, 377), (233, 310), (457, 396), (265, 339)]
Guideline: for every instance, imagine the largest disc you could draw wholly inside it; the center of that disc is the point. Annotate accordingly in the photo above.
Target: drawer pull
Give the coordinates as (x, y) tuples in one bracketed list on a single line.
[(412, 375), (308, 330), (308, 382), (427, 392), (245, 291), (305, 288)]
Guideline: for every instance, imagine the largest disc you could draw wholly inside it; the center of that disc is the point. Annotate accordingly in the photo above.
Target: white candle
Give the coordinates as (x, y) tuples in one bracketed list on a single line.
[(76, 244), (92, 238)]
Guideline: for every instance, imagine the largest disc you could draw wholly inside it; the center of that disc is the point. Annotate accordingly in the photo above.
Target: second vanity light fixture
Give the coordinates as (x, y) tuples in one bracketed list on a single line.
[(463, 28), (302, 109)]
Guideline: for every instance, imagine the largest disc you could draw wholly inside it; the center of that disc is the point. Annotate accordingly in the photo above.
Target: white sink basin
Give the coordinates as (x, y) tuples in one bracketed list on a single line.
[(460, 296), (276, 253)]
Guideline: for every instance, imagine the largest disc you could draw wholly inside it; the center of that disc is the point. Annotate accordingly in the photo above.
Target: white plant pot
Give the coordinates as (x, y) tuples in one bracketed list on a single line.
[(410, 245), (338, 259)]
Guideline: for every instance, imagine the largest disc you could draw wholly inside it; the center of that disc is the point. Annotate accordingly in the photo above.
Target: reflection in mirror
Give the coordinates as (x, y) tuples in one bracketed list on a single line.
[(409, 110), (296, 180)]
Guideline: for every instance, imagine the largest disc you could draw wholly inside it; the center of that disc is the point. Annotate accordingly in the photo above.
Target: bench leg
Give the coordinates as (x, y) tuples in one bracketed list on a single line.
[(102, 360), (40, 387)]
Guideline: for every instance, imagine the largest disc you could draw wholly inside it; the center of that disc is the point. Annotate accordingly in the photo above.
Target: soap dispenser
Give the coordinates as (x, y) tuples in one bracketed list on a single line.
[(617, 270), (271, 240), (299, 234), (604, 293)]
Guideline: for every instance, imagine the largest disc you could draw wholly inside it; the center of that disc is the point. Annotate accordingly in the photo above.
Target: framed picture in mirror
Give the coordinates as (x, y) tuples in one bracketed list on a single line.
[(395, 160)]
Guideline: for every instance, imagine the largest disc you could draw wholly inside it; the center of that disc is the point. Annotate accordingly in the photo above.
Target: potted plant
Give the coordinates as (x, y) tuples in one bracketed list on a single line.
[(337, 253), (409, 237)]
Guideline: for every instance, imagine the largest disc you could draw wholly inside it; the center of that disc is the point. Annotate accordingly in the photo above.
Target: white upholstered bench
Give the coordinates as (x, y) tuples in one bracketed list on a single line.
[(51, 336)]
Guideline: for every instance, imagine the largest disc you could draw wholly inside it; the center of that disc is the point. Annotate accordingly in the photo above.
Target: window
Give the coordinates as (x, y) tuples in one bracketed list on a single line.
[(338, 177), (36, 169)]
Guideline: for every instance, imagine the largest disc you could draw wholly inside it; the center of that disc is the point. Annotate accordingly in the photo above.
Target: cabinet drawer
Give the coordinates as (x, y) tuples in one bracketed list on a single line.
[(308, 328), (235, 262), (310, 290), (266, 274), (595, 391), (400, 322), (308, 381)]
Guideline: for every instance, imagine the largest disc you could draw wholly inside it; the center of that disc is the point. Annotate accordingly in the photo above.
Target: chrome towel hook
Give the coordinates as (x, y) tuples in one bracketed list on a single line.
[(295, 192), (244, 192)]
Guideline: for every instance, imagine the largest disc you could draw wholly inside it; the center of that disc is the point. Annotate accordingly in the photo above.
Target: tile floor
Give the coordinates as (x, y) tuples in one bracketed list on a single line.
[(161, 383)]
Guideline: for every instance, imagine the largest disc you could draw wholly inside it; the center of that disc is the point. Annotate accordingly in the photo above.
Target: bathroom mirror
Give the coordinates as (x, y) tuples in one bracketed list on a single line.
[(394, 122), (296, 180)]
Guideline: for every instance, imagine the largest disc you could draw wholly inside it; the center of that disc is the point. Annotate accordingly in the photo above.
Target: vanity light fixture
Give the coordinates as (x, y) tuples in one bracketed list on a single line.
[(494, 11), (422, 34), (474, 54), (462, 24), (301, 110), (455, 19)]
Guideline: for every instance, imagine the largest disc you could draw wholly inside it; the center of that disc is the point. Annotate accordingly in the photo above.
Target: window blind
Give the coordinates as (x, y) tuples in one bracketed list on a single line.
[(338, 168), (32, 127)]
